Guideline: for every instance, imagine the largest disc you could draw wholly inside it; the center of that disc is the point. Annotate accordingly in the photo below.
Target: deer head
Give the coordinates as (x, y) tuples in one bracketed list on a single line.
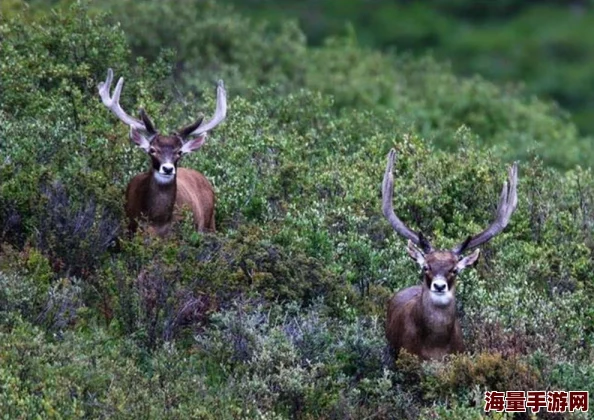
[(164, 151), (422, 318), (156, 194), (440, 267)]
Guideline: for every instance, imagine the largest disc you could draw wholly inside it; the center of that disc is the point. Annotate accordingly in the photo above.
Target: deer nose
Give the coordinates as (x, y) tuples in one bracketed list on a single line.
[(167, 169), (439, 287)]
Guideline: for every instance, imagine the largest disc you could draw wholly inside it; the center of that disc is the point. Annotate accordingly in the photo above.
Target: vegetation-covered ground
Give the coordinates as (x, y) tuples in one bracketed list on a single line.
[(279, 314), (545, 45)]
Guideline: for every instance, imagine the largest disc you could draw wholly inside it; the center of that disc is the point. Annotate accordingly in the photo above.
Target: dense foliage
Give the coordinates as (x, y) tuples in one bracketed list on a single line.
[(280, 313), (544, 44)]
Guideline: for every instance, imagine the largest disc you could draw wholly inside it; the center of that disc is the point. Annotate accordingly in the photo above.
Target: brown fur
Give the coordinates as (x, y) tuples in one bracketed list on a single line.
[(158, 196), (422, 319), (160, 204), (414, 323)]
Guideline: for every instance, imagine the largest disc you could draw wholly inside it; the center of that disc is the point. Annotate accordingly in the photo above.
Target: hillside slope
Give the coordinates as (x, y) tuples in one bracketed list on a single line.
[(280, 313)]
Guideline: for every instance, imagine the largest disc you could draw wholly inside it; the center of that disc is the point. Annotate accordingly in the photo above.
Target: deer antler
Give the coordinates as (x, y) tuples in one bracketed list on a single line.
[(388, 208), (113, 103), (219, 115), (508, 201)]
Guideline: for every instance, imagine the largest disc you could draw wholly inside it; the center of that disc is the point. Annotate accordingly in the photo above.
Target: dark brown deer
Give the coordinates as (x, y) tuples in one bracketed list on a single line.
[(422, 319), (158, 194)]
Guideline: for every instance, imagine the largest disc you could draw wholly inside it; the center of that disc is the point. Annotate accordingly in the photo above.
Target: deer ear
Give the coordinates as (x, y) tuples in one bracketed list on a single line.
[(186, 131), (148, 123), (467, 260), (139, 140), (415, 253), (194, 144)]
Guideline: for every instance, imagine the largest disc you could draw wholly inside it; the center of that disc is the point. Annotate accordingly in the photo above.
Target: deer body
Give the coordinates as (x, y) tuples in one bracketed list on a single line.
[(160, 205), (419, 329), (422, 319), (158, 195), (416, 324)]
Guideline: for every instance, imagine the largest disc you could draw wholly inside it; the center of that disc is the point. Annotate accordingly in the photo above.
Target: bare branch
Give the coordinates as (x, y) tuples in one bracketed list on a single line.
[(508, 201), (388, 208)]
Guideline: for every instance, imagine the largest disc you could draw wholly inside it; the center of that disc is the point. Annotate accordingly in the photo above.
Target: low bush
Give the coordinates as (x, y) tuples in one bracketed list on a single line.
[(280, 312)]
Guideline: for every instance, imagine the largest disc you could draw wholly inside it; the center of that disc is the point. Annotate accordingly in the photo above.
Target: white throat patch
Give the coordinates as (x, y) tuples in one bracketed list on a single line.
[(441, 298), (164, 179)]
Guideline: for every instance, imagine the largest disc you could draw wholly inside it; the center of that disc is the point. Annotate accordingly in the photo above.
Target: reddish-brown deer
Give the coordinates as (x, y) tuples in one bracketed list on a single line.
[(422, 319), (158, 194)]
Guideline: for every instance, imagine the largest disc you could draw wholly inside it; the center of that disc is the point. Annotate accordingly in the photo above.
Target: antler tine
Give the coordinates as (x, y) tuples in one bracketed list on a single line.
[(113, 103), (388, 208), (220, 112), (508, 201)]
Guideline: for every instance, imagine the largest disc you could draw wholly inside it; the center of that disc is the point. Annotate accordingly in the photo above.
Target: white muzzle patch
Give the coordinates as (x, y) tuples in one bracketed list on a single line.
[(166, 173), (441, 295)]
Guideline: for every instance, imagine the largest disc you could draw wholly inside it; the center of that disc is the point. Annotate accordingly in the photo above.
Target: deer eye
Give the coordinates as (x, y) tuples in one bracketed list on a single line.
[(152, 151)]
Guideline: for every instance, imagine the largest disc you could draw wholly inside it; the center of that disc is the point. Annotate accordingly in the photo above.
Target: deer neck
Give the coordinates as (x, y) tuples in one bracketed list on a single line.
[(436, 320), (161, 200)]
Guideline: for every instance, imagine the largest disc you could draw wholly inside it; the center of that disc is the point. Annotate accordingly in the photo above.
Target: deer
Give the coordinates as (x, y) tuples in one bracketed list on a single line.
[(422, 319), (159, 194)]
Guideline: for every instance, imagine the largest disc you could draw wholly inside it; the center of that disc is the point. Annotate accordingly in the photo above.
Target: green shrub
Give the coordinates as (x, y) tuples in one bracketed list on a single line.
[(503, 41), (304, 364), (212, 41), (280, 312)]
